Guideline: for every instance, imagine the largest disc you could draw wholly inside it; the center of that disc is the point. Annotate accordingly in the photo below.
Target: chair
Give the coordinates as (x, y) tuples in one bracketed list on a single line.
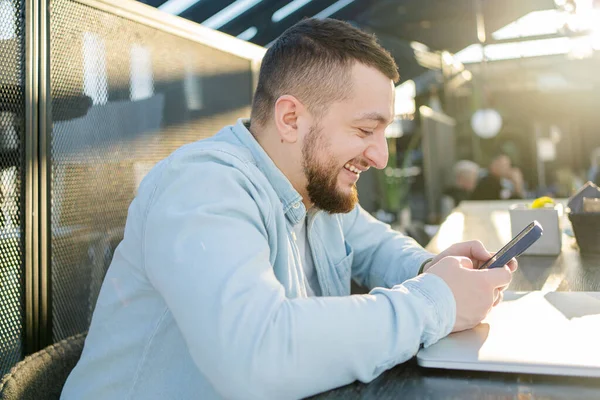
[(41, 376), (417, 231)]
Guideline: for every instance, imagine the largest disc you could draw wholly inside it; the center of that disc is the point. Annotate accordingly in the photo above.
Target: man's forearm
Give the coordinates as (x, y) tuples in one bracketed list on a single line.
[(311, 345)]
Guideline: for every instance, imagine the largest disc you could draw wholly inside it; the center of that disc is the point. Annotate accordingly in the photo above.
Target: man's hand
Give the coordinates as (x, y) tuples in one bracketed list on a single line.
[(475, 291), (477, 254), (516, 177), (474, 250)]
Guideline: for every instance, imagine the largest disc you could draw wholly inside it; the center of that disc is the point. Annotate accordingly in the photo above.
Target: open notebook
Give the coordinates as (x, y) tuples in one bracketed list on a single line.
[(556, 333)]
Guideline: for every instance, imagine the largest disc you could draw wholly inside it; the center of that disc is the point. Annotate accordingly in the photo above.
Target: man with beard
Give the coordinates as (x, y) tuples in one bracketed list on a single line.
[(233, 277)]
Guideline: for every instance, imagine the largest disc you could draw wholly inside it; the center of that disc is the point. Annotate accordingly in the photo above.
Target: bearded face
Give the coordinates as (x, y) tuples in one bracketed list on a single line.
[(331, 185)]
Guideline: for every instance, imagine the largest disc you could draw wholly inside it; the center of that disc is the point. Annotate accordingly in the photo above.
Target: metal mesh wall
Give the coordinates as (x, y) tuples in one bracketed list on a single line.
[(12, 199), (124, 96)]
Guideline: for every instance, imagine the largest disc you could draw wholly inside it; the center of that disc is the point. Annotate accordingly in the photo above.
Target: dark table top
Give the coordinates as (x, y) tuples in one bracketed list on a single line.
[(489, 222)]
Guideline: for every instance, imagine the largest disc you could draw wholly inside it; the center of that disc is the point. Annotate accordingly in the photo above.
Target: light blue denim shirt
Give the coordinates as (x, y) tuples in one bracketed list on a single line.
[(205, 296)]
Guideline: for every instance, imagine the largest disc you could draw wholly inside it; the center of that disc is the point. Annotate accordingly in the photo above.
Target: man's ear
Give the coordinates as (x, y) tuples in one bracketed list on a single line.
[(287, 110)]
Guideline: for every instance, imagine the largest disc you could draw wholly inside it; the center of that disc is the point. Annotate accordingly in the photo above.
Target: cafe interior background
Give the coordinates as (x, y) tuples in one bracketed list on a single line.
[(95, 92)]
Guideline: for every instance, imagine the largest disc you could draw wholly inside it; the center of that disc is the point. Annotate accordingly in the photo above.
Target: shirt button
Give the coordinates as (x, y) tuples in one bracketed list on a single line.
[(296, 205)]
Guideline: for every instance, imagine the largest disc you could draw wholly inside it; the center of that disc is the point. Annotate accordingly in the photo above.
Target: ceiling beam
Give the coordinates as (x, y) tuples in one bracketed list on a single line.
[(271, 31), (259, 16), (205, 9)]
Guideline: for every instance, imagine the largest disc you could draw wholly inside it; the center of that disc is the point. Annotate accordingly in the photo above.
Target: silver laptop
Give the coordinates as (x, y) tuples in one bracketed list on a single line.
[(555, 333)]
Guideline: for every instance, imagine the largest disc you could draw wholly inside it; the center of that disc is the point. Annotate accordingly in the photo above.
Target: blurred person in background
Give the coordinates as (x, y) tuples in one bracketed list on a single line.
[(466, 175), (502, 182), (233, 276)]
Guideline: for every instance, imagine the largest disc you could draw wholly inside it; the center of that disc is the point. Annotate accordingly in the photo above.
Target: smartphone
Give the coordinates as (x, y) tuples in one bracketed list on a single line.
[(516, 246)]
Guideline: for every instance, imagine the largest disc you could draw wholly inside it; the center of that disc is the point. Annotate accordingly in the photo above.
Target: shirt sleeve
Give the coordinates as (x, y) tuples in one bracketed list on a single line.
[(382, 257), (207, 252)]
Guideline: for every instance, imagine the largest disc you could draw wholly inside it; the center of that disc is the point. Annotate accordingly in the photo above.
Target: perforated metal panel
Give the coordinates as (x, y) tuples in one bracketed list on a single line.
[(12, 198), (124, 96)]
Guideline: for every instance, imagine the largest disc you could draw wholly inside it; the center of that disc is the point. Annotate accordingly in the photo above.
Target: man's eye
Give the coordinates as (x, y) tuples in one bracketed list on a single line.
[(365, 132)]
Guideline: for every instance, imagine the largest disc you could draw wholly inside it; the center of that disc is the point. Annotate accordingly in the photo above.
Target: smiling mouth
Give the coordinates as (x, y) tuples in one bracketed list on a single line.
[(352, 168)]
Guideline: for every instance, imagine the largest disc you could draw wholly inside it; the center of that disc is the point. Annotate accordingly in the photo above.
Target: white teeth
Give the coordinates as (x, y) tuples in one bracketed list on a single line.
[(352, 168)]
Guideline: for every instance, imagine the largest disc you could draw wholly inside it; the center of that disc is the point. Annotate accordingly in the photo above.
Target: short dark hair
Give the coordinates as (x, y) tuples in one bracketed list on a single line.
[(312, 61)]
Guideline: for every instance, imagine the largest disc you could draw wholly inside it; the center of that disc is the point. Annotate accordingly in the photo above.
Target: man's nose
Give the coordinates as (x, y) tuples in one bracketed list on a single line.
[(377, 152)]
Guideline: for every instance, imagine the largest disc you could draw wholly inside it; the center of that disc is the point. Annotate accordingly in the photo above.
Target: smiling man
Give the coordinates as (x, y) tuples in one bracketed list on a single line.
[(335, 147), (233, 277)]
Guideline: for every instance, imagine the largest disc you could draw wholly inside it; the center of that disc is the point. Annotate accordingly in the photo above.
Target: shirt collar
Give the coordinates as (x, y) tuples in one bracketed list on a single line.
[(290, 199)]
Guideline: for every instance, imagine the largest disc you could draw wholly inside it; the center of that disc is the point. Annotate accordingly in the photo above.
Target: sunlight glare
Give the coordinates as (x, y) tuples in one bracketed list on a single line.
[(552, 283), (451, 231), (501, 222)]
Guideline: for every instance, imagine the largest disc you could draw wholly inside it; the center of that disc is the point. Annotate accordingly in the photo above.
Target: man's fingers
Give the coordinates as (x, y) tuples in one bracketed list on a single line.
[(465, 262), (499, 277), (478, 251), (498, 296), (502, 288), (513, 265), (473, 249)]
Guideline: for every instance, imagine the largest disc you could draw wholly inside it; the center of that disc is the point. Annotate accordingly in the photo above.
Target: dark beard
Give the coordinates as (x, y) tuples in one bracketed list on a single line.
[(322, 178)]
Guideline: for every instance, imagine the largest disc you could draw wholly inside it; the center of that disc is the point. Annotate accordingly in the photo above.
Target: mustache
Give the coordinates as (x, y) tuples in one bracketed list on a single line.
[(359, 162)]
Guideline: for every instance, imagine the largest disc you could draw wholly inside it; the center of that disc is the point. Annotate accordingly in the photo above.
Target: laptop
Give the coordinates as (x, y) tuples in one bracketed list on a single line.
[(555, 333)]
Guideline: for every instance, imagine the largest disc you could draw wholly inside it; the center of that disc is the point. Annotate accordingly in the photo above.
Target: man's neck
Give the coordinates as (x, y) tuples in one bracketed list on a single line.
[(279, 153)]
